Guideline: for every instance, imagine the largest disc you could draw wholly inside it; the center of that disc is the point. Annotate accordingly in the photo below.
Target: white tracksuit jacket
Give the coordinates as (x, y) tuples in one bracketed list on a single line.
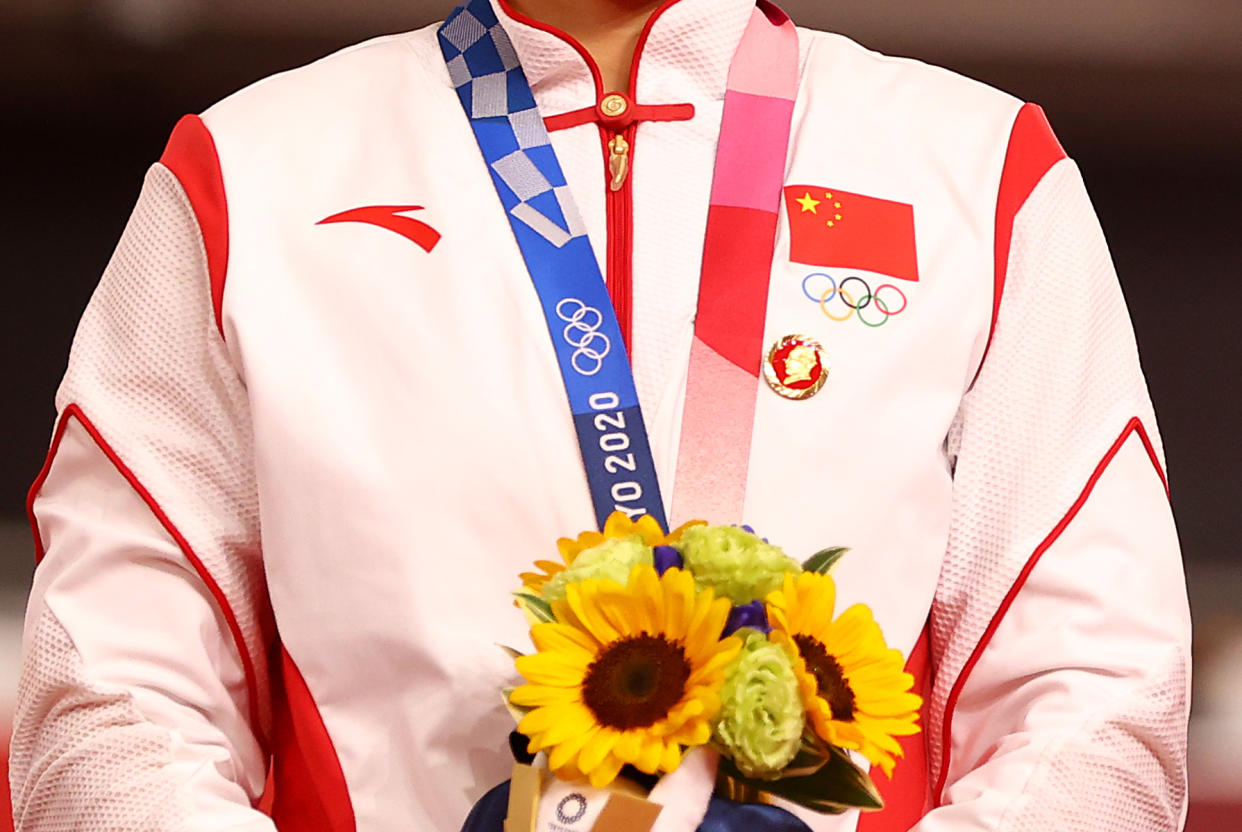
[(299, 465)]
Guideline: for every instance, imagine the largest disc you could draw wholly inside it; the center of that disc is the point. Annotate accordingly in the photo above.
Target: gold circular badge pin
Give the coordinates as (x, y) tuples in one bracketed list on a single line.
[(614, 104), (796, 367)]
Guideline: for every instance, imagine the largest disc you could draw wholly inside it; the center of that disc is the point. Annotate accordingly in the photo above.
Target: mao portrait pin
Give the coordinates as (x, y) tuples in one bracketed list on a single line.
[(796, 367)]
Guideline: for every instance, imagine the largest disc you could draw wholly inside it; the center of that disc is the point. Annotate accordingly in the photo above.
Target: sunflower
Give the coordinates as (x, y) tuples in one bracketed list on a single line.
[(625, 674), (856, 691), (646, 530)]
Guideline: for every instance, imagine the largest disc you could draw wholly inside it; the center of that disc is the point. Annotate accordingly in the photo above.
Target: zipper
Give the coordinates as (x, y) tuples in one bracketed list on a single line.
[(618, 162), (619, 152)]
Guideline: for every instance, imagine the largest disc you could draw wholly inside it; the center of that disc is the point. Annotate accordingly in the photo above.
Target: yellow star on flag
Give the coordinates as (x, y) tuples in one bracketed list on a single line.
[(807, 203)]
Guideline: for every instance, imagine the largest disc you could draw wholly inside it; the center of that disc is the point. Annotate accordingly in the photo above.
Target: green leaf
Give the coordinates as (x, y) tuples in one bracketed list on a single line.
[(515, 711), (538, 607), (824, 559), (835, 786), (513, 654)]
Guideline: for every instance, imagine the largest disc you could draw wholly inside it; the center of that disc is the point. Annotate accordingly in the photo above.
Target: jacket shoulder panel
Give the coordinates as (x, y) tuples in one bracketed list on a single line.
[(345, 89), (905, 84)]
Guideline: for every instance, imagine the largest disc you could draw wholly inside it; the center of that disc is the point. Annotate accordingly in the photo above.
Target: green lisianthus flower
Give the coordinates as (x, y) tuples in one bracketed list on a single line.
[(734, 562), (612, 559), (761, 714)]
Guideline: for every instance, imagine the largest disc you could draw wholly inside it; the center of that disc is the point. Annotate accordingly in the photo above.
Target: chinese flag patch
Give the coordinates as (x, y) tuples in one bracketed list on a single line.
[(837, 228)]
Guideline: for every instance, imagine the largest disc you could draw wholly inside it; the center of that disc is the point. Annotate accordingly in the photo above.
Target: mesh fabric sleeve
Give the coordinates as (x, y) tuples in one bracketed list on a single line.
[(1060, 626), (143, 700)]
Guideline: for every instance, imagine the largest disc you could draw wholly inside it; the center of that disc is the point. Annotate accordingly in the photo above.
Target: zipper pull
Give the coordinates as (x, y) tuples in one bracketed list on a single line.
[(618, 161)]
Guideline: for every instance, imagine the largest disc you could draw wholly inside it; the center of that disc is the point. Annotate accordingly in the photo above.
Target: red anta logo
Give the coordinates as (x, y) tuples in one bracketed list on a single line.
[(391, 217)]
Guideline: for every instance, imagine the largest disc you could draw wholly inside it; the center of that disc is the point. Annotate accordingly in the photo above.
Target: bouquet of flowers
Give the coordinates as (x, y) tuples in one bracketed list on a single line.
[(651, 644)]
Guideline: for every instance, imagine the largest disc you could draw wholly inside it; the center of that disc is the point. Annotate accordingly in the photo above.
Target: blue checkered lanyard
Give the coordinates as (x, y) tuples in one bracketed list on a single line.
[(550, 233)]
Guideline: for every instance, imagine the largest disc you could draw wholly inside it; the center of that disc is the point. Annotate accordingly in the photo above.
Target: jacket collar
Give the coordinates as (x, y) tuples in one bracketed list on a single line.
[(683, 55)]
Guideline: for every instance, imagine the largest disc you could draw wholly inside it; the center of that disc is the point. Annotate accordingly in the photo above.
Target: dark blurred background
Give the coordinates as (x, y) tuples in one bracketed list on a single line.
[(1145, 94)]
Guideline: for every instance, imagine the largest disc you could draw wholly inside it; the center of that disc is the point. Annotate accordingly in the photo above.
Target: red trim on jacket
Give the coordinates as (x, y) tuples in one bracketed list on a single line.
[(620, 204), (308, 784), (75, 412), (534, 23), (41, 478), (191, 156), (1133, 426), (907, 795), (633, 113), (1033, 150)]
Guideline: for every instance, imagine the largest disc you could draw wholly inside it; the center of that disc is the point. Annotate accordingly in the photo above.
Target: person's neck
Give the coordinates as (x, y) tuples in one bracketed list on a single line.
[(608, 29)]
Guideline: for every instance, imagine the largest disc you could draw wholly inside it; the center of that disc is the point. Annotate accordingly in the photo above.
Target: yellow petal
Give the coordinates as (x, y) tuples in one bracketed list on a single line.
[(677, 588), (569, 773), (671, 758), (883, 741), (605, 772), (618, 524), (650, 530), (694, 733), (820, 597), (708, 618), (872, 670), (540, 720), (855, 625), (561, 758), (788, 598), (895, 727), (552, 668), (536, 696), (708, 631), (644, 588), (629, 746), (571, 721), (653, 752), (622, 612), (715, 665), (597, 749), (581, 601), (570, 548), (563, 638), (894, 706), (699, 612), (689, 709), (777, 619)]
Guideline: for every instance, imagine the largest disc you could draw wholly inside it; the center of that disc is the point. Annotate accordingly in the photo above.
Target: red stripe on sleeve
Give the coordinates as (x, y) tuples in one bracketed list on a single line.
[(191, 156), (73, 411), (1135, 425), (1033, 150)]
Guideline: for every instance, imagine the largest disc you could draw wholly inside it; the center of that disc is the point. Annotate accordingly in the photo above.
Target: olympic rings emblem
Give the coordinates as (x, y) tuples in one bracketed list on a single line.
[(565, 814), (582, 333), (867, 298)]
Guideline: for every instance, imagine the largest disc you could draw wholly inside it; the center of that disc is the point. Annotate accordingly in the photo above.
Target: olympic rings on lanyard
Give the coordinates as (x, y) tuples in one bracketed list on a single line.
[(867, 298), (582, 333)]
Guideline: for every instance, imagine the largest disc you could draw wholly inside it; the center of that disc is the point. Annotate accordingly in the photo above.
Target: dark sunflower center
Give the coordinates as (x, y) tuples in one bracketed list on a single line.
[(635, 681), (829, 678)]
